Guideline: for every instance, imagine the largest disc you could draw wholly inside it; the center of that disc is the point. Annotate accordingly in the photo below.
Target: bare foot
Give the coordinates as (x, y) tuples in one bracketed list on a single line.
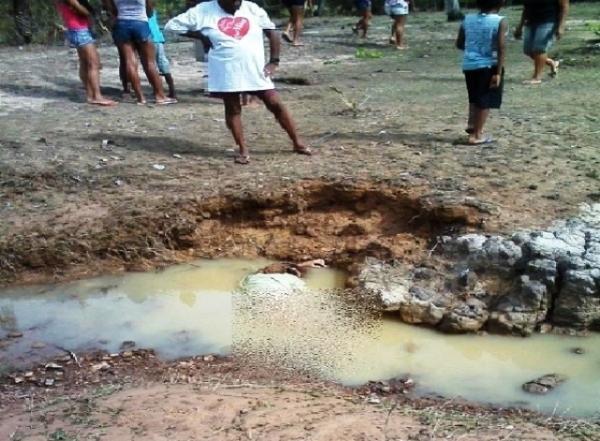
[(102, 102), (478, 141), (533, 81)]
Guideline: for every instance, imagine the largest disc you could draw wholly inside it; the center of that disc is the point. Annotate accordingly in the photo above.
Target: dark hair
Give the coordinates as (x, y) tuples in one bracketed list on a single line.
[(488, 5)]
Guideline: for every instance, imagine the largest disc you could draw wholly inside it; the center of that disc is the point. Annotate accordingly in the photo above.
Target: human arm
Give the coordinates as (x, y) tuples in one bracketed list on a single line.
[(149, 8), (274, 51), (460, 39), (563, 10), (519, 29), (501, 43)]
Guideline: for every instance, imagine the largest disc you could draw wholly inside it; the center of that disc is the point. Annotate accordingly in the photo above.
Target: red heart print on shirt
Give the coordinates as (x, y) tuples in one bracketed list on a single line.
[(236, 27)]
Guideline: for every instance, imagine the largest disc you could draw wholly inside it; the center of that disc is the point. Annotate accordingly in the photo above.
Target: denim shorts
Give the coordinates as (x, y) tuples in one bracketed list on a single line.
[(128, 31), (162, 62), (79, 38), (362, 5), (399, 8), (538, 37)]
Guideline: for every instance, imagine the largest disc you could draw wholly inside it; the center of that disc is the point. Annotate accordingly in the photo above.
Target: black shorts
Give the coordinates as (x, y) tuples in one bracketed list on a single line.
[(290, 3), (480, 93)]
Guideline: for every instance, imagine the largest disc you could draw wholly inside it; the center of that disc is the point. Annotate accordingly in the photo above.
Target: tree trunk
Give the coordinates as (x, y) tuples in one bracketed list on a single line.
[(452, 8)]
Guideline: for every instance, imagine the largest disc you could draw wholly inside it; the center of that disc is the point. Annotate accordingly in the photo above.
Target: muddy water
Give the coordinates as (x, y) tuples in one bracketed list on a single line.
[(189, 309)]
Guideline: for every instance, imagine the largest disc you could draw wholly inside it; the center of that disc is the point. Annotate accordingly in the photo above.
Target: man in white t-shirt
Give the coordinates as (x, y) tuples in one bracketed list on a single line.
[(236, 61)]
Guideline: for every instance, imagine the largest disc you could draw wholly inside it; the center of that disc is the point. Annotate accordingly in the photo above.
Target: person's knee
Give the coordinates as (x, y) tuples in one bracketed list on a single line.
[(274, 106)]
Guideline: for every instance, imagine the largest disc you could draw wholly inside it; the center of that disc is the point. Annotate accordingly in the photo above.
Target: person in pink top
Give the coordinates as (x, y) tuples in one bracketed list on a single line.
[(77, 19)]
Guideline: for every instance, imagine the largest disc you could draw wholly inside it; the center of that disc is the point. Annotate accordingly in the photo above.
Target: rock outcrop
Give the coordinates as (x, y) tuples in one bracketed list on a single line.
[(500, 284)]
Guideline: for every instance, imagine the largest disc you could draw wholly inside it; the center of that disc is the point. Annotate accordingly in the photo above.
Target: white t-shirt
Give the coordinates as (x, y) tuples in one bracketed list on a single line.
[(236, 60)]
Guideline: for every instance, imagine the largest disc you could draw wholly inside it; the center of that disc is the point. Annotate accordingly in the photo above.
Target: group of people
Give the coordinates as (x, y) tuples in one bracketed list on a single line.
[(398, 11), (233, 31)]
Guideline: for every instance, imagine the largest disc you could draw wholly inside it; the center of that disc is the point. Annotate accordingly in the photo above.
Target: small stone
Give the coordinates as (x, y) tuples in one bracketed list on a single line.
[(373, 399), (28, 374), (100, 366), (578, 351), (127, 354), (14, 334), (544, 384), (49, 382), (127, 345), (38, 345), (158, 167), (208, 358), (53, 366), (18, 380)]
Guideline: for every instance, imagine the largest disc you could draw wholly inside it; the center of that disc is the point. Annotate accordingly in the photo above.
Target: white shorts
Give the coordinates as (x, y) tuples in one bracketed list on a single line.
[(400, 7)]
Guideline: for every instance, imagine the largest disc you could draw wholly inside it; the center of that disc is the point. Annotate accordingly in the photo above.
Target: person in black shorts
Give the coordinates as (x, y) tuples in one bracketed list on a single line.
[(295, 24), (482, 38)]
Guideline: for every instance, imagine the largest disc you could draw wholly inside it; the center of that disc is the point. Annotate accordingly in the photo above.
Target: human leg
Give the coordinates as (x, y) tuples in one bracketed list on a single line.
[(297, 23), (164, 68), (123, 73), (274, 104), (148, 59), (479, 120), (233, 120), (90, 73), (131, 70), (399, 22)]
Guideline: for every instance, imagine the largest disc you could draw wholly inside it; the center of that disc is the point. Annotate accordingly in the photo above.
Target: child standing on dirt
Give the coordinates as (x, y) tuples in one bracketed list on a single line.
[(235, 30), (77, 19), (162, 62), (482, 38)]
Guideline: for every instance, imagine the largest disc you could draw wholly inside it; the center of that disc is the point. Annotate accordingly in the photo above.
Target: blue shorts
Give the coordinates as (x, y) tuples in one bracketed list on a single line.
[(538, 37), (131, 31), (79, 38), (362, 5), (162, 62)]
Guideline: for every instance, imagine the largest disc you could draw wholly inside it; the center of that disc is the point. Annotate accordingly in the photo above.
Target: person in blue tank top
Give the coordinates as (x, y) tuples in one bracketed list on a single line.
[(482, 37)]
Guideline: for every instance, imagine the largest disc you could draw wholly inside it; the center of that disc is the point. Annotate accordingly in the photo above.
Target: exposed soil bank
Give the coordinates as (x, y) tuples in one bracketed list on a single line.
[(341, 223)]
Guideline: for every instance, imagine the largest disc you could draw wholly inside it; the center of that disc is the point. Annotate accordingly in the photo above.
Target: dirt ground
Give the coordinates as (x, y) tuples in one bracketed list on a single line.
[(133, 395), (85, 190)]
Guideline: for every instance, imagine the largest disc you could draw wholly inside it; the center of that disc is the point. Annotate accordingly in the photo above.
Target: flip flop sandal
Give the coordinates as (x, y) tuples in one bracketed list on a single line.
[(286, 37), (304, 151), (242, 159), (166, 102), (554, 70), (486, 140)]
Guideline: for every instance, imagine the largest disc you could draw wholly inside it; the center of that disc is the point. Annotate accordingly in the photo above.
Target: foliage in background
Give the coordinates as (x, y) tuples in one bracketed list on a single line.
[(46, 28)]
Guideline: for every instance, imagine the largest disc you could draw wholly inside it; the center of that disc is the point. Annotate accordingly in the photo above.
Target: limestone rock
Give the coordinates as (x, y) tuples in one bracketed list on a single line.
[(387, 284), (469, 316), (577, 304), (544, 384), (423, 306)]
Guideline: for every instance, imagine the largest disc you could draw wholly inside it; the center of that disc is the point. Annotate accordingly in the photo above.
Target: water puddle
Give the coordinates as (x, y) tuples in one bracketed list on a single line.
[(192, 309)]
